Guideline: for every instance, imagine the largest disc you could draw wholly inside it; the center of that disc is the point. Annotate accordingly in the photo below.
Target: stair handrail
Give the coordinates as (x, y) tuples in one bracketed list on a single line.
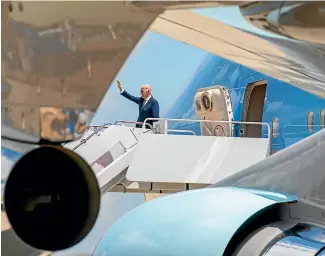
[(181, 131), (209, 121), (100, 127), (132, 122)]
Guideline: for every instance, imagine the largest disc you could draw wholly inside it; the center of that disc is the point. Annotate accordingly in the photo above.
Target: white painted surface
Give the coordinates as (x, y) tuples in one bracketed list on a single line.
[(106, 139), (193, 159), (221, 111)]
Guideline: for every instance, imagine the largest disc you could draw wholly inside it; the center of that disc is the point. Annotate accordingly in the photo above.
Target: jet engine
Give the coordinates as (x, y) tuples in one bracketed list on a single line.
[(51, 198), (216, 221)]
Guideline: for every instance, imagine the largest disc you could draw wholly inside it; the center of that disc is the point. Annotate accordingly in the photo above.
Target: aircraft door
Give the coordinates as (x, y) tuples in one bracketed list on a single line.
[(214, 103), (253, 107)]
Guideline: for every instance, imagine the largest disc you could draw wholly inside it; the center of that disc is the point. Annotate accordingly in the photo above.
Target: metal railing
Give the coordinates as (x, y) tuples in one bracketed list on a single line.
[(98, 128), (182, 131), (208, 121), (131, 122), (144, 124)]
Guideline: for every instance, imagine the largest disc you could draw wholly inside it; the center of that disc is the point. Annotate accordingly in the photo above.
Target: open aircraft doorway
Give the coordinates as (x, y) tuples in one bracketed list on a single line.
[(253, 105)]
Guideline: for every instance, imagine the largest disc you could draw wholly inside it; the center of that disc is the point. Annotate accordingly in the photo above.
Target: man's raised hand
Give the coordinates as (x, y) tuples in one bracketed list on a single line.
[(119, 85)]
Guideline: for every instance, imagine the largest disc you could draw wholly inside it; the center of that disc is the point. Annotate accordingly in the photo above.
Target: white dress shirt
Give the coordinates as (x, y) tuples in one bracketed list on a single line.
[(145, 101)]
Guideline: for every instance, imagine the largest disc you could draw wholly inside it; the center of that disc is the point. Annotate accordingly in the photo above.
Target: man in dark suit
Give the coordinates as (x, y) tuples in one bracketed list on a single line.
[(148, 106)]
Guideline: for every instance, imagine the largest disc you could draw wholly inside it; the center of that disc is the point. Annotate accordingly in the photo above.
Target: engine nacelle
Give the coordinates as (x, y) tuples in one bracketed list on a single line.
[(52, 198), (211, 221)]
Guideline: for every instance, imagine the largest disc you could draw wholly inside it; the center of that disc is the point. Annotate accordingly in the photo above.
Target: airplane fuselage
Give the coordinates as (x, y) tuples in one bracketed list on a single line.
[(61, 57), (293, 114)]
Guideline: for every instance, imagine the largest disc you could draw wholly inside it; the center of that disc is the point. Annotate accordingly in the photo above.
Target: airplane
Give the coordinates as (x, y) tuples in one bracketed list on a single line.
[(280, 194)]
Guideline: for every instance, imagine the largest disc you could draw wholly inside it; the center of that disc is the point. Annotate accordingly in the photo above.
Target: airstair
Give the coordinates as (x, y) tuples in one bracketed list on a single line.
[(167, 158), (163, 160)]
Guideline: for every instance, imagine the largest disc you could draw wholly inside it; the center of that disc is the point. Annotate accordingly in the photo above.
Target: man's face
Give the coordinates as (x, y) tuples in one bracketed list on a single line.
[(145, 91)]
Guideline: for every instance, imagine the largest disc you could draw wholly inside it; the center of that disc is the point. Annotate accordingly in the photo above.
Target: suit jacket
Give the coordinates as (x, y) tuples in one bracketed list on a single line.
[(149, 110)]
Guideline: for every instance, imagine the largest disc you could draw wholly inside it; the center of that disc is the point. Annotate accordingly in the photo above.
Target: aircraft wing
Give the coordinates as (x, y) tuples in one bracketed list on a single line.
[(64, 55), (278, 57), (298, 169), (71, 52)]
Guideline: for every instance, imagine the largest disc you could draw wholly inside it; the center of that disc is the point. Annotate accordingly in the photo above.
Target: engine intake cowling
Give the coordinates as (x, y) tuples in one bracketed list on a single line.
[(52, 198)]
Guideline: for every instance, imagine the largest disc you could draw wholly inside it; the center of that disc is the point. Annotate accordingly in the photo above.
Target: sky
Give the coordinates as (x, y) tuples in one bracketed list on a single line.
[(163, 63), (172, 65), (231, 15)]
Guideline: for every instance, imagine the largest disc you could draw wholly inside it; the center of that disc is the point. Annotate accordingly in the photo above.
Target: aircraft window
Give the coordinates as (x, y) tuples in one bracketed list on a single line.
[(275, 127), (322, 119), (310, 121)]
